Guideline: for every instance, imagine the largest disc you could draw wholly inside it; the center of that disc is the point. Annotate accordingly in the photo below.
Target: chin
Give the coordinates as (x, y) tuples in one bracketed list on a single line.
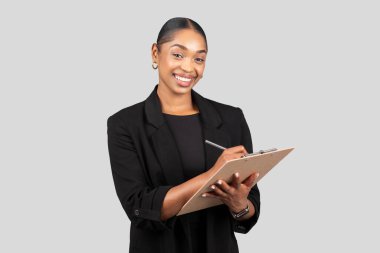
[(182, 89)]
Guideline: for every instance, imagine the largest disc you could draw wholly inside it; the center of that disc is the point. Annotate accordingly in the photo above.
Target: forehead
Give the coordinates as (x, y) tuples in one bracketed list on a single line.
[(192, 40)]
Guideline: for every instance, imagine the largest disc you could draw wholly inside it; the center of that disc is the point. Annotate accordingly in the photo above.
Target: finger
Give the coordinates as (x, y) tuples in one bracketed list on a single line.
[(210, 195), (235, 180), (237, 149), (218, 191), (251, 179), (224, 186), (229, 157)]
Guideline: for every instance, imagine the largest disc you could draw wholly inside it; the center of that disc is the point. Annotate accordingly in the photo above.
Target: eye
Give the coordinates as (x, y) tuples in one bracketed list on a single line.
[(199, 60), (177, 55)]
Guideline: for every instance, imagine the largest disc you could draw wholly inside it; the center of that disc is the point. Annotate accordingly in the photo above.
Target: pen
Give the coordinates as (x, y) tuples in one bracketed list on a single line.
[(217, 146), (252, 154)]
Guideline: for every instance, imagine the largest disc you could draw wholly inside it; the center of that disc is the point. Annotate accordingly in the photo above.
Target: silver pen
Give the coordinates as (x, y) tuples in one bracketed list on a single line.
[(251, 154), (215, 145), (218, 146)]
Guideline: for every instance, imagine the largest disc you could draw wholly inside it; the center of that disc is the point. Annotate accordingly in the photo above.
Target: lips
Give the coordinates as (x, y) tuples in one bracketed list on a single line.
[(183, 78)]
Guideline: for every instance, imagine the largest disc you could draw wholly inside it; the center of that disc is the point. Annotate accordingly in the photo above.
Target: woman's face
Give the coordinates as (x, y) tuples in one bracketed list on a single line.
[(181, 62)]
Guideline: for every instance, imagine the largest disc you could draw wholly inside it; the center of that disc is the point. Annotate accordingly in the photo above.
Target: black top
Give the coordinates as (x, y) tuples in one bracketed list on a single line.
[(187, 132)]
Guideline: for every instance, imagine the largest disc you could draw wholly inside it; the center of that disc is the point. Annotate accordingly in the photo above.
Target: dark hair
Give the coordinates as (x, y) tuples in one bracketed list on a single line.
[(173, 25)]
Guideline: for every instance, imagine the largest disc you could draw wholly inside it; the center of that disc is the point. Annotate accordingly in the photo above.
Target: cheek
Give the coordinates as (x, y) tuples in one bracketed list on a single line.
[(171, 63), (165, 64), (200, 70)]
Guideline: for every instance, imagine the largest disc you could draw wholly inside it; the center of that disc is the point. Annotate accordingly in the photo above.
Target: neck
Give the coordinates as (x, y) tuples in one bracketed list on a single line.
[(175, 103)]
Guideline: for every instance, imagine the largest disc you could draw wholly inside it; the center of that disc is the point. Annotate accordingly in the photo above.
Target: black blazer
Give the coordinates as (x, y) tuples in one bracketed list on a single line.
[(145, 164)]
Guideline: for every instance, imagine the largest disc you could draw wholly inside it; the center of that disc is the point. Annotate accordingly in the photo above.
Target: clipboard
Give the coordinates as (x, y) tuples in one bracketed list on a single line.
[(262, 161)]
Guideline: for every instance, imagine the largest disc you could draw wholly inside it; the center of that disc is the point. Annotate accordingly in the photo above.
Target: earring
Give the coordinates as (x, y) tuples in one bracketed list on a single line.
[(154, 65)]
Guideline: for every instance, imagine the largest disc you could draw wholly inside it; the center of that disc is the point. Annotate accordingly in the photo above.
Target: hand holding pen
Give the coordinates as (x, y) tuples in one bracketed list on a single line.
[(228, 154)]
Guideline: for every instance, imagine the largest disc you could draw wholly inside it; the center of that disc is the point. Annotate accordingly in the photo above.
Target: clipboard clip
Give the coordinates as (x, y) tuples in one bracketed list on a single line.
[(260, 152)]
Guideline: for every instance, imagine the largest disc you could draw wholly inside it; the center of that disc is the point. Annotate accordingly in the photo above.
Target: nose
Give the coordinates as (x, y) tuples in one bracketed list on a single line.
[(187, 65)]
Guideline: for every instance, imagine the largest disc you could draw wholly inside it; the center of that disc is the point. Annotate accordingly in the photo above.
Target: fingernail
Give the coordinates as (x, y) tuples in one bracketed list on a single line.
[(219, 182), (237, 174), (212, 187), (204, 195)]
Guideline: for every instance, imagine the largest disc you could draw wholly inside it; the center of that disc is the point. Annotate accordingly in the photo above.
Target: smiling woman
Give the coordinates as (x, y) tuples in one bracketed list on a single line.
[(159, 158), (180, 56)]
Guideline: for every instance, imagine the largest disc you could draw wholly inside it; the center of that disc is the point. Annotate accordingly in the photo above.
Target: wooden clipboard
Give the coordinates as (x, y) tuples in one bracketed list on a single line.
[(261, 162)]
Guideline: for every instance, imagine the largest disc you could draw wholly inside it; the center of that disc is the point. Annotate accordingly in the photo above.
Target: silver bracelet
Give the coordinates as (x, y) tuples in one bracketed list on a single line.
[(241, 213)]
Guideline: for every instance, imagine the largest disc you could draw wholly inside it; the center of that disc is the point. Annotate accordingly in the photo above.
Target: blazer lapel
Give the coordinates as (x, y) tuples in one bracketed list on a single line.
[(163, 141), (211, 125)]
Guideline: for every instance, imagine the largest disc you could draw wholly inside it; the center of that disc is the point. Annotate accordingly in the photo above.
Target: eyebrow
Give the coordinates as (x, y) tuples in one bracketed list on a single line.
[(184, 48)]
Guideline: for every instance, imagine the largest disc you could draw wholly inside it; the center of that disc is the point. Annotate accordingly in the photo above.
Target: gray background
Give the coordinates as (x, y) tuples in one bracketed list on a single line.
[(304, 73)]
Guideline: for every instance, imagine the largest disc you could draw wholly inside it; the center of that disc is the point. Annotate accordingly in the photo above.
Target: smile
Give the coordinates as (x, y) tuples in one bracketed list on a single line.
[(183, 79)]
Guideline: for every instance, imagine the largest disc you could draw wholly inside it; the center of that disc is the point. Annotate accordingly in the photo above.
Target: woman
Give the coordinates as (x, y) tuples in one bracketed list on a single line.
[(159, 157)]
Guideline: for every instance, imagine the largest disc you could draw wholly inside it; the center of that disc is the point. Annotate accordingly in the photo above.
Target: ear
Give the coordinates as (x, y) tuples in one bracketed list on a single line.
[(154, 53)]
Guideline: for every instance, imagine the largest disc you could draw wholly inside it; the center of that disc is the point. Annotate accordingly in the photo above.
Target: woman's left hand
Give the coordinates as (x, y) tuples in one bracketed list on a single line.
[(234, 195)]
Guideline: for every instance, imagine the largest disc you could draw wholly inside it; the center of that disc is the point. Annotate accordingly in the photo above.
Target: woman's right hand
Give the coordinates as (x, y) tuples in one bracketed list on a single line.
[(227, 155)]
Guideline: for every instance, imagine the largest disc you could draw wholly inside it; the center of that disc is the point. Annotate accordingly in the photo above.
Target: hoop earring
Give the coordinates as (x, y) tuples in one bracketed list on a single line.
[(154, 65)]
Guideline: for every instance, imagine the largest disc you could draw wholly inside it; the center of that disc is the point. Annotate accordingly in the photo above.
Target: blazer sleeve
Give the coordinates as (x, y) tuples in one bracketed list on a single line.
[(254, 195), (140, 200)]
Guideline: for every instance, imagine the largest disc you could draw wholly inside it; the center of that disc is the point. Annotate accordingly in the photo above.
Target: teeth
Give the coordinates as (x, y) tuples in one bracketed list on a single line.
[(183, 79)]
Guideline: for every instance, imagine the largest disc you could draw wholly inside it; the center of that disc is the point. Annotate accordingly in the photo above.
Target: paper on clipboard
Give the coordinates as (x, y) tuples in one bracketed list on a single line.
[(256, 162)]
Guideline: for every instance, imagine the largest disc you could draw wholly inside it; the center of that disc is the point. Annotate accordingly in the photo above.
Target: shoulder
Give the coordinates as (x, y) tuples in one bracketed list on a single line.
[(226, 111), (127, 115)]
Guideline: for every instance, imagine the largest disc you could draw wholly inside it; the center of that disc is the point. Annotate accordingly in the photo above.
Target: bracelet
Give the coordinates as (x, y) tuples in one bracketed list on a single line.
[(241, 213)]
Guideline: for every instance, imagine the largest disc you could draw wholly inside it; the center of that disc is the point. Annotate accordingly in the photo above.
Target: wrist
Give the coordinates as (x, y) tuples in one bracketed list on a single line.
[(239, 208), (241, 212)]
